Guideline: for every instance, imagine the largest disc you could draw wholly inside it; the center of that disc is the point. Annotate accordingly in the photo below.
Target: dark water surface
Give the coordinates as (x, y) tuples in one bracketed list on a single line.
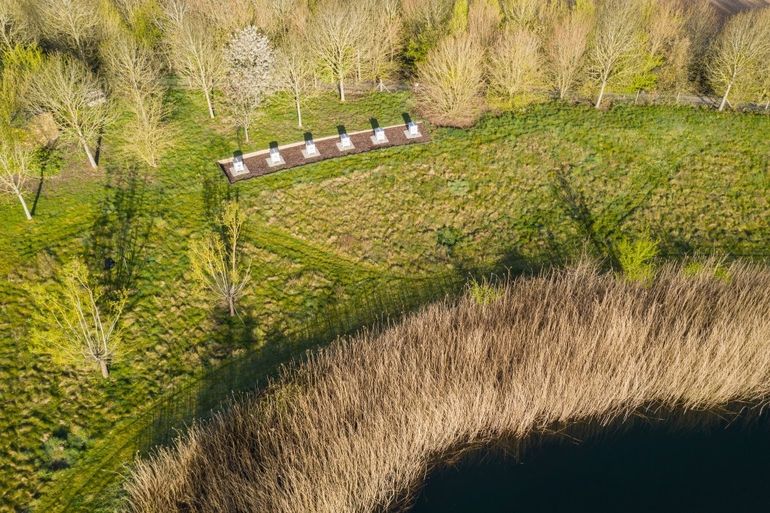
[(649, 469)]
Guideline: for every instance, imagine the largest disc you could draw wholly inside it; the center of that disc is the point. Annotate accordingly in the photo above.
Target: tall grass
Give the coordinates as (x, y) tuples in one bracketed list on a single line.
[(356, 427)]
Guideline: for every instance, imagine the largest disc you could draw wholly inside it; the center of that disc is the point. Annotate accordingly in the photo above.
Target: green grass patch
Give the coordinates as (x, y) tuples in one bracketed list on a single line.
[(534, 188)]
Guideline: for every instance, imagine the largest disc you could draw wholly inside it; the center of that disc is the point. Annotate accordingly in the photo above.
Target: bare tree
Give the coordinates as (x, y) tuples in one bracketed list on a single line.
[(135, 75), (663, 26), (14, 26), (294, 72), (194, 50), (522, 13), (515, 67), (615, 44), (451, 82), (217, 260), (675, 73), (426, 12), (16, 168), (566, 50), (377, 53), (701, 27), (484, 18), (534, 15), (424, 26), (77, 322), (740, 50), (67, 90), (335, 33), (278, 18), (236, 15), (70, 24), (19, 65), (251, 62)]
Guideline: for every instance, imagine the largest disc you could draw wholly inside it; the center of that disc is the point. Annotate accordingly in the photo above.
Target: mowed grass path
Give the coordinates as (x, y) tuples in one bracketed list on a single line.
[(533, 188)]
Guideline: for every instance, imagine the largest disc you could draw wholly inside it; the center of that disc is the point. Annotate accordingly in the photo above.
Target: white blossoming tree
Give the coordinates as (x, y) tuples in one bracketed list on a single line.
[(250, 60)]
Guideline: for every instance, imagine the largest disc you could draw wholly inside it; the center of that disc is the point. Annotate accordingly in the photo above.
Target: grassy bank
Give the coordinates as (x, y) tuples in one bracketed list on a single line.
[(527, 189), (356, 428)]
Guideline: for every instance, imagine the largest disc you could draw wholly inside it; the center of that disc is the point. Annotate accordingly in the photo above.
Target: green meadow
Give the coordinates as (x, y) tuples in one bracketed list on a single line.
[(522, 190)]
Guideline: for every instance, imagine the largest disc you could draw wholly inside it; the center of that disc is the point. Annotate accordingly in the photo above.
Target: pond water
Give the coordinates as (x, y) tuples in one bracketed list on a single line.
[(648, 469)]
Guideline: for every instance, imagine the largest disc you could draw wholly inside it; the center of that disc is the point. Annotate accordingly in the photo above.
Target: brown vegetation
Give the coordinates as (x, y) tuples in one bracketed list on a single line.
[(356, 427), (451, 83)]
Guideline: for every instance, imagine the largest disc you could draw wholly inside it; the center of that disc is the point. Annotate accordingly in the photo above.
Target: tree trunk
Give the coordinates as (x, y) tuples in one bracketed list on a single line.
[(91, 159), (24, 205), (104, 369), (231, 305), (724, 98), (342, 89), (601, 94), (209, 104), (636, 100), (767, 105), (246, 132), (678, 97), (299, 111)]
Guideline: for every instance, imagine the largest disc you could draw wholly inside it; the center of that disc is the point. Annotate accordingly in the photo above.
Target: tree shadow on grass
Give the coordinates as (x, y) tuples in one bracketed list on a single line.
[(576, 207), (49, 161), (372, 308), (253, 370), (116, 247), (215, 192), (38, 192)]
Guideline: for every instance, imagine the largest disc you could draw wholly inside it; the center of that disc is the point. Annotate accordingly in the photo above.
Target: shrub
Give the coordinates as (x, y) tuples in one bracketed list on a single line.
[(637, 258), (63, 446), (448, 237), (367, 417), (483, 293), (451, 82), (516, 70)]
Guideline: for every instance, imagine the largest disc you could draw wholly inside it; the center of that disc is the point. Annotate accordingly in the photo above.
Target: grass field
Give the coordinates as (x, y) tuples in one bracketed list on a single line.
[(526, 189)]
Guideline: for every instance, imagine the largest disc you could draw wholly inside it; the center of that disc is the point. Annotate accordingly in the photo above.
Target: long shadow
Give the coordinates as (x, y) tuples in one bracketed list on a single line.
[(38, 191), (576, 207), (98, 150), (48, 161), (117, 243), (215, 193), (372, 310)]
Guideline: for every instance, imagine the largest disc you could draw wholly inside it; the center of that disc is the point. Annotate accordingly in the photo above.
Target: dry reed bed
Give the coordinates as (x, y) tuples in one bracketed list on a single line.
[(357, 426)]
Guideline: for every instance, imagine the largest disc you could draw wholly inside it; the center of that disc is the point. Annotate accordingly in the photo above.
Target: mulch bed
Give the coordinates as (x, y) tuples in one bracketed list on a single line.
[(257, 162)]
